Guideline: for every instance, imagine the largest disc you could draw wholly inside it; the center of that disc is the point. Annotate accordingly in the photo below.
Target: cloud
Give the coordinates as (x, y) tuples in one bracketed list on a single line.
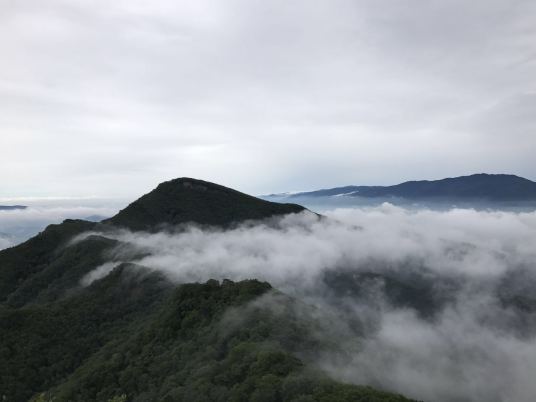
[(488, 244), (98, 273), (455, 358), (220, 88), (466, 332), (5, 241), (19, 225)]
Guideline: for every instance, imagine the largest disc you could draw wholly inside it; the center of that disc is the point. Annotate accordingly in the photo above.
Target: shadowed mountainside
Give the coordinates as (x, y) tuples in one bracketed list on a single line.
[(189, 200)]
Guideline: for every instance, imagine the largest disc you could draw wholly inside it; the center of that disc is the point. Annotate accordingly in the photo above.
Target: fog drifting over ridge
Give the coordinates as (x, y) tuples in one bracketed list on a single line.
[(475, 347), (300, 244)]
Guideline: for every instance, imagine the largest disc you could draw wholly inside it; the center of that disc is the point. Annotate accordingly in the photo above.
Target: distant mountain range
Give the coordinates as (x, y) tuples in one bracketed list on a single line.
[(11, 207), (489, 187)]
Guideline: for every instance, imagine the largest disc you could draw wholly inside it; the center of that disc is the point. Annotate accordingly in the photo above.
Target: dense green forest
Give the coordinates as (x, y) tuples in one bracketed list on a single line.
[(132, 336)]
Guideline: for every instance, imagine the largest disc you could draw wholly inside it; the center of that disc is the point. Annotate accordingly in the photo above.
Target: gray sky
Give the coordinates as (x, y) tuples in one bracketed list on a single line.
[(109, 98)]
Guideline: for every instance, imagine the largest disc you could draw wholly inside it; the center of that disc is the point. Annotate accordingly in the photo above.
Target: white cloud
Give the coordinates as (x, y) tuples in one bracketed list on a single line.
[(474, 347), (302, 246), (110, 100), (98, 273)]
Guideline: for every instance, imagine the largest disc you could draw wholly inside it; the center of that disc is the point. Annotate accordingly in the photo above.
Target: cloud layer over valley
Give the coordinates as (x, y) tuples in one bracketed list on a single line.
[(441, 298)]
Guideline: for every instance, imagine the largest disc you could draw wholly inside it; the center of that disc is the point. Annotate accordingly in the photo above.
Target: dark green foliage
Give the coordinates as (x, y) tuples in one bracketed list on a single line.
[(206, 344), (63, 274), (43, 343), (127, 337), (19, 263), (188, 200)]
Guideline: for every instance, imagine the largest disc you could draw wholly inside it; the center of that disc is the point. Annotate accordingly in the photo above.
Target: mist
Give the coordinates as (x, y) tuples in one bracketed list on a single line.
[(440, 296), (19, 225)]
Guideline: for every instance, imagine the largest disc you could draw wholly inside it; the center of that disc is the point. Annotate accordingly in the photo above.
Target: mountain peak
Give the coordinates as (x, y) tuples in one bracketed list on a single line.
[(185, 199)]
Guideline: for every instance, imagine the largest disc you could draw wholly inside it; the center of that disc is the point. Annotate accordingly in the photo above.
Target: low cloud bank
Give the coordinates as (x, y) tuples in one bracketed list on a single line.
[(302, 247), (477, 269), (17, 226)]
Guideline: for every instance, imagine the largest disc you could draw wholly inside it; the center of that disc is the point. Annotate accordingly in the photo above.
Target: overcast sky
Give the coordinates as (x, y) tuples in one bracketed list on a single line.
[(109, 98)]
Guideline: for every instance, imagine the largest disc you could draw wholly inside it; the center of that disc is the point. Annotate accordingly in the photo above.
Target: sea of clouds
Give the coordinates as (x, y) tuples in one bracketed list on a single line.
[(475, 347)]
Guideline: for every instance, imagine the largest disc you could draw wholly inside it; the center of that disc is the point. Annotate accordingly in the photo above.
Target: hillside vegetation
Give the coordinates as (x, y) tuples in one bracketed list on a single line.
[(133, 335)]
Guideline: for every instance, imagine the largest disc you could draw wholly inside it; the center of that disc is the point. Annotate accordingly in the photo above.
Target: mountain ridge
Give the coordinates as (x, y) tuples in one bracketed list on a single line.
[(33, 268), (492, 187), (12, 207)]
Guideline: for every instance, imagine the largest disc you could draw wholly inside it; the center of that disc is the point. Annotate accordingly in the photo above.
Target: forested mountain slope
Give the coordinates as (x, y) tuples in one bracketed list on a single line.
[(134, 335)]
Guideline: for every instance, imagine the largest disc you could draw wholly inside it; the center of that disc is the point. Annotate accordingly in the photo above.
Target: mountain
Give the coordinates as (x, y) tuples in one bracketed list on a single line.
[(134, 335), (11, 207), (43, 267), (189, 200), (490, 187)]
